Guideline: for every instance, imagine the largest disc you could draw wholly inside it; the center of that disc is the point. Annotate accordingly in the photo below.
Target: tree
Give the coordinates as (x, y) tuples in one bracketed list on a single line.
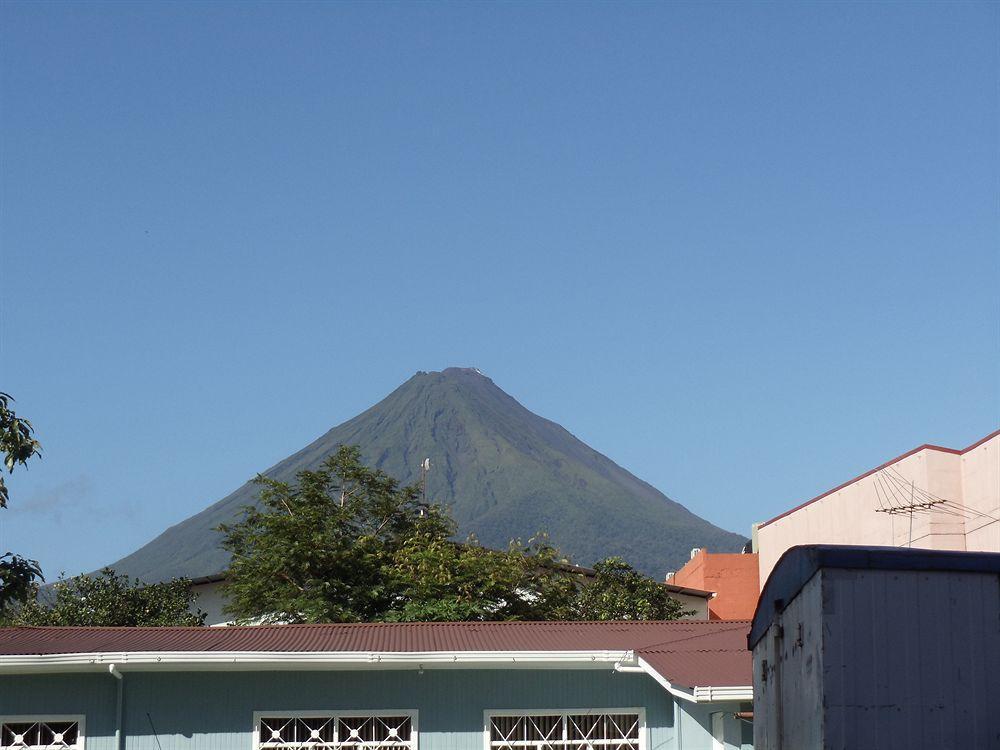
[(439, 580), (347, 543), (18, 445), (619, 592), (110, 599), (17, 581)]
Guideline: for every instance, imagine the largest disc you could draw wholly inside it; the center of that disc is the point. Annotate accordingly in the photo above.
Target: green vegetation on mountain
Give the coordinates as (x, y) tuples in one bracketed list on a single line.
[(503, 471)]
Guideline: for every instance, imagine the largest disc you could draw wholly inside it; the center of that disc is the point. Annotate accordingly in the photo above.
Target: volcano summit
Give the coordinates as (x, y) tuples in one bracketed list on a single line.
[(504, 471)]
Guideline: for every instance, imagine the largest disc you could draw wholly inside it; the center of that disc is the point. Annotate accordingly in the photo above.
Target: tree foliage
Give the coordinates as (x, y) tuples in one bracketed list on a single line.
[(110, 599), (17, 580), (18, 445), (316, 551), (17, 442), (439, 580), (347, 543), (620, 592)]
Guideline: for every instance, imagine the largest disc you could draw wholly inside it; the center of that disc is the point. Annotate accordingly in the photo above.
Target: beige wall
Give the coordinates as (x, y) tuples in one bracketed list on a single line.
[(209, 599), (696, 604), (849, 514)]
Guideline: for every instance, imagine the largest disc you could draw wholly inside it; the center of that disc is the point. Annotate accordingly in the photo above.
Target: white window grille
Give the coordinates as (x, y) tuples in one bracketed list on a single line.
[(41, 733), (336, 731), (569, 730)]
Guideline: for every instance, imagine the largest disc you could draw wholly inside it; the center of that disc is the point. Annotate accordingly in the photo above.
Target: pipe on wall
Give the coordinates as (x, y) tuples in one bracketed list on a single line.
[(119, 737), (678, 717)]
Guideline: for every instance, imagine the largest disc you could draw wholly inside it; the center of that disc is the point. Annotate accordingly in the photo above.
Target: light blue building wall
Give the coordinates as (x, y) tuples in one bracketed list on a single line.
[(214, 710)]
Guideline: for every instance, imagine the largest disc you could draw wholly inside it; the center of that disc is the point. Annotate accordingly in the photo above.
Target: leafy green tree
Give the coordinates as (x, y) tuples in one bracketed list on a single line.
[(110, 599), (620, 592), (16, 442), (439, 580), (316, 551), (17, 581), (18, 445), (347, 543)]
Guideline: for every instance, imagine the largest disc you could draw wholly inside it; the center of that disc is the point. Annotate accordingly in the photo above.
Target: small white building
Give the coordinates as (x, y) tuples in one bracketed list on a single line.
[(878, 648), (209, 598)]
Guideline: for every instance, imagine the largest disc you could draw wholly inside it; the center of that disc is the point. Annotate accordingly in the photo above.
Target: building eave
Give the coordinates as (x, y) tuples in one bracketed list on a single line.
[(295, 660), (698, 694), (173, 661)]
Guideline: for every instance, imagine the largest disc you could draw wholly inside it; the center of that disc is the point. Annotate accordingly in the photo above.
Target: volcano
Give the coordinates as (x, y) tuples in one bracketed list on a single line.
[(504, 471)]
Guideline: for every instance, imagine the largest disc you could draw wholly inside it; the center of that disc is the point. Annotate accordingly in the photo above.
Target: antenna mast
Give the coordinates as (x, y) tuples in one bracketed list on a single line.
[(425, 466)]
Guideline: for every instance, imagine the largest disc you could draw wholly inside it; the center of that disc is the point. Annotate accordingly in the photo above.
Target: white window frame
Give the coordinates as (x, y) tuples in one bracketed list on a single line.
[(410, 713), (80, 719), (491, 713)]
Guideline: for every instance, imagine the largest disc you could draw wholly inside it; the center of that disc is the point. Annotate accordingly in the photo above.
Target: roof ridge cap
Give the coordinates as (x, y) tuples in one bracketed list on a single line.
[(716, 624)]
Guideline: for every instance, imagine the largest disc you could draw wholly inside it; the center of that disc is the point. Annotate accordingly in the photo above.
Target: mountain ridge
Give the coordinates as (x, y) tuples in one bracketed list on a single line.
[(504, 471)]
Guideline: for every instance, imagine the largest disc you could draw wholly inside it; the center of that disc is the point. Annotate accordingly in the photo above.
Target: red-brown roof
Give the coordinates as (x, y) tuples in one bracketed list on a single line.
[(685, 652)]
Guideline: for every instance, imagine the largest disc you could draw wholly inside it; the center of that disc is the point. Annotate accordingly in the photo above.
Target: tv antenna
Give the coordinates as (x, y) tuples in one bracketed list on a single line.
[(425, 466), (898, 494)]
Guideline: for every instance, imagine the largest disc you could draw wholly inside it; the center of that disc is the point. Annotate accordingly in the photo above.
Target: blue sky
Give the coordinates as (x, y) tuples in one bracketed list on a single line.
[(746, 250)]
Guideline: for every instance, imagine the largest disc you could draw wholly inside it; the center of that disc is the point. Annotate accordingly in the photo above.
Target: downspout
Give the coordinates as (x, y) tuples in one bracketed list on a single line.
[(119, 737), (677, 721), (620, 666)]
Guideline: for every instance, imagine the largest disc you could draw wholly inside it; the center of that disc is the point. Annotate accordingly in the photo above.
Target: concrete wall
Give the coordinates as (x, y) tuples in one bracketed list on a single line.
[(912, 659), (787, 677), (849, 515), (882, 660), (214, 710), (980, 483), (209, 599), (733, 578), (699, 605)]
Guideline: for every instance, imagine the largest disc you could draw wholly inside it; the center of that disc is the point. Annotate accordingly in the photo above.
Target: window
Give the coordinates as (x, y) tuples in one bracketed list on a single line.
[(41, 733), (620, 729), (353, 730)]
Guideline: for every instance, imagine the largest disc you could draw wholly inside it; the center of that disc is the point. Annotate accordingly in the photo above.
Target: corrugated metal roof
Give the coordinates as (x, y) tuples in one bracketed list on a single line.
[(703, 668), (685, 652)]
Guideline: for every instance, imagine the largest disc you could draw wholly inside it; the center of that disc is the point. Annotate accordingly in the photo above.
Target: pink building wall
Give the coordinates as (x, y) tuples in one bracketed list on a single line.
[(849, 514)]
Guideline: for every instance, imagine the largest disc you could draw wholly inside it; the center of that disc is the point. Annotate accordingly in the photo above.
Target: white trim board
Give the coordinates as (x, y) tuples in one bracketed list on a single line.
[(303, 659), (145, 661)]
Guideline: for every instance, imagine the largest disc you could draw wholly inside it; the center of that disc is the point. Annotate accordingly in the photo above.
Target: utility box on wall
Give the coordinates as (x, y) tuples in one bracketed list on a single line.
[(878, 648)]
